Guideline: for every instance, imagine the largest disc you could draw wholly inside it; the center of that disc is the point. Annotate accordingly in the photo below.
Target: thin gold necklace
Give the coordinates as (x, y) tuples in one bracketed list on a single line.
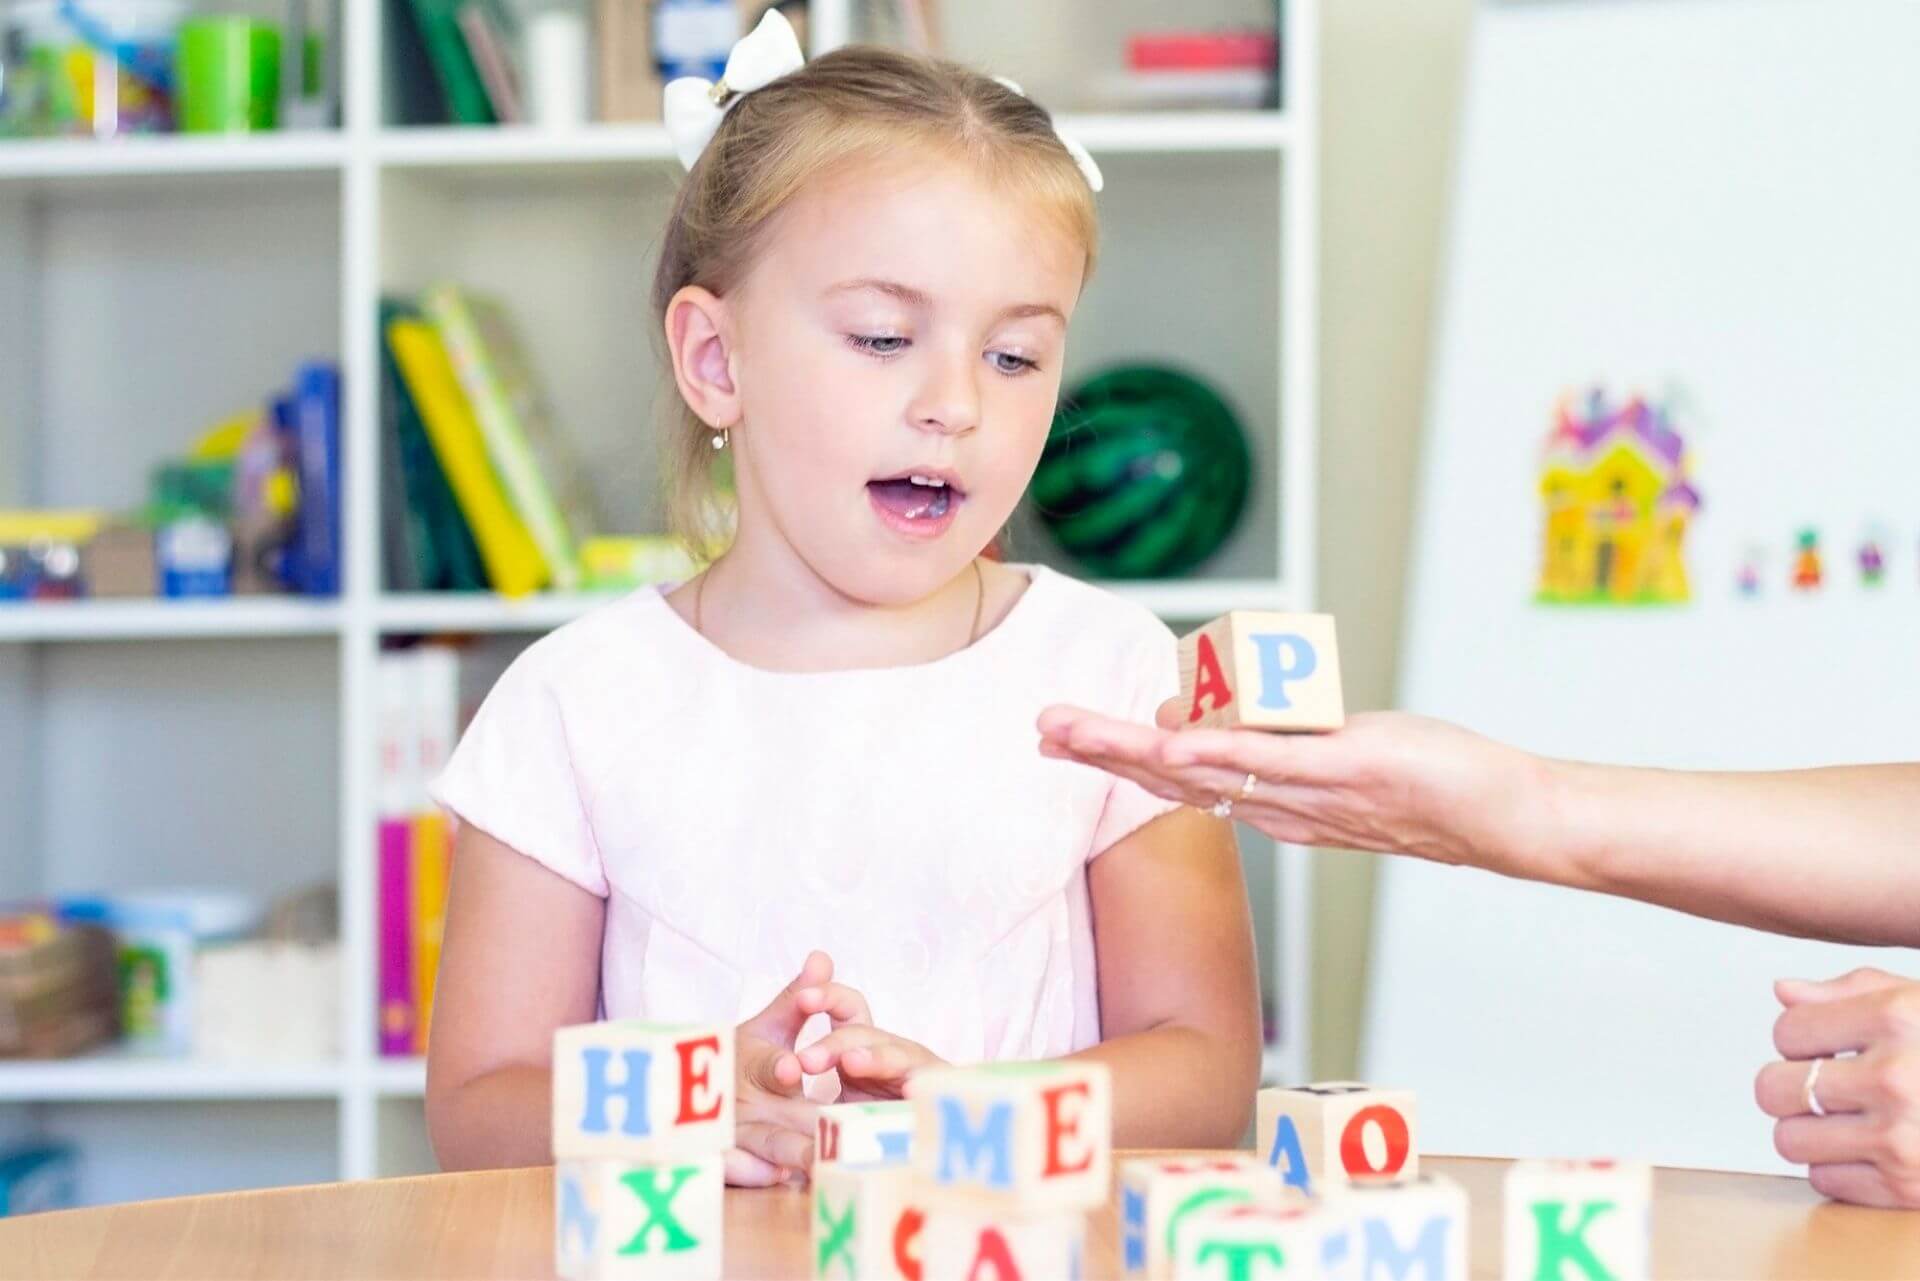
[(973, 632)]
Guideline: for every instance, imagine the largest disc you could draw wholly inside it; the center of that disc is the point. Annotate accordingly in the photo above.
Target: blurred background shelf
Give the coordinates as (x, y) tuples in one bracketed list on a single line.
[(239, 618), (171, 156), (114, 1076)]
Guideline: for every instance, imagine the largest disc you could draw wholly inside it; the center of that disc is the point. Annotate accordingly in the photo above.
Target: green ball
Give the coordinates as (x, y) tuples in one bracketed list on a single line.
[(1144, 475)]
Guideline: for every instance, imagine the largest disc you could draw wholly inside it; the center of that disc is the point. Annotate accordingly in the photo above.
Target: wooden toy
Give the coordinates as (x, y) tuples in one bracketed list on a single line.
[(642, 1091), (864, 1134), (1414, 1231), (866, 1222), (1156, 1195), (1249, 670), (1017, 1138), (1578, 1220), (959, 1244), (1337, 1132), (1255, 1243), (618, 1218)]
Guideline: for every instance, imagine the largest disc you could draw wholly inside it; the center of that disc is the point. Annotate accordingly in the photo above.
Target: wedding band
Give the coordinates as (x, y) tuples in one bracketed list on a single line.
[(1223, 808), (1246, 788), (1813, 1079)]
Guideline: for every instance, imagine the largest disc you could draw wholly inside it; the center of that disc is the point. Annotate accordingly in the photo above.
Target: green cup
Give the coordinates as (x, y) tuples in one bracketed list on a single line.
[(227, 75)]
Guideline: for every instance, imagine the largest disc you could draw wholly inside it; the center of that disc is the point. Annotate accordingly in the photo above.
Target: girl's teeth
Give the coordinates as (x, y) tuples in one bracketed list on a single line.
[(931, 481)]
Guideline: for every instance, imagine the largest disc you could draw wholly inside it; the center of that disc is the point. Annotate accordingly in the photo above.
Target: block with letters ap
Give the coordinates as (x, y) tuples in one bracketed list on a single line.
[(1026, 1138), (1578, 1219), (866, 1223), (1322, 1136), (619, 1218), (1255, 1243), (642, 1091), (1248, 670), (961, 1244), (879, 1133), (1416, 1230), (1158, 1194)]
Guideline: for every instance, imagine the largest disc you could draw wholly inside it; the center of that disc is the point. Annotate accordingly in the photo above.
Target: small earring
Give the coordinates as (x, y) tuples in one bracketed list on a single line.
[(720, 439)]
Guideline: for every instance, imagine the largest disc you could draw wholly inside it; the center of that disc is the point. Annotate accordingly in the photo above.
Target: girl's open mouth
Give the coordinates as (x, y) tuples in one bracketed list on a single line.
[(919, 504)]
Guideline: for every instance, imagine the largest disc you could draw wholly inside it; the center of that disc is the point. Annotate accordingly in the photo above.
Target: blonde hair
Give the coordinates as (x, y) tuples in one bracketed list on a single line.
[(853, 104)]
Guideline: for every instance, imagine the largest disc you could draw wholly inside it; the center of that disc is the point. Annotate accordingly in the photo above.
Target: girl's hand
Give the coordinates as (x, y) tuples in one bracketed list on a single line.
[(773, 1122), (1867, 1149), (872, 1064), (1389, 781)]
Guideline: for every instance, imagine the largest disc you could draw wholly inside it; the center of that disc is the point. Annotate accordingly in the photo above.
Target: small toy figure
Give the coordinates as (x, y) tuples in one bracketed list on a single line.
[(1749, 573), (1873, 562), (1806, 564)]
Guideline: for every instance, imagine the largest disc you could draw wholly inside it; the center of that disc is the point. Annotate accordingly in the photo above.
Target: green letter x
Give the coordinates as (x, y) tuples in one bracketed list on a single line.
[(659, 1209), (838, 1241)]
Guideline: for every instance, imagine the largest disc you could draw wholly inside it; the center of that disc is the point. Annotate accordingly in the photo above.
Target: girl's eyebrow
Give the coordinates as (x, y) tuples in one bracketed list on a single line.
[(919, 298)]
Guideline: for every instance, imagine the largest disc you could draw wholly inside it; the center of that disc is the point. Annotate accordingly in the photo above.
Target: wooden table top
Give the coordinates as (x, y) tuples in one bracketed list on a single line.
[(500, 1224)]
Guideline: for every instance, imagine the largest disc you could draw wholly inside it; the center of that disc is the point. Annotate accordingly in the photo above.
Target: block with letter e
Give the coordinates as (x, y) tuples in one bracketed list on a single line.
[(1248, 670), (642, 1091), (1018, 1138), (1321, 1137), (1581, 1220), (618, 1218)]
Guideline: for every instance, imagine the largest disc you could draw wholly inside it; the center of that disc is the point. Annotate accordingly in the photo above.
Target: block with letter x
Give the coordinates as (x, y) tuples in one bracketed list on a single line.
[(866, 1223), (642, 1091), (617, 1218), (1248, 670), (1321, 1137), (1015, 1138)]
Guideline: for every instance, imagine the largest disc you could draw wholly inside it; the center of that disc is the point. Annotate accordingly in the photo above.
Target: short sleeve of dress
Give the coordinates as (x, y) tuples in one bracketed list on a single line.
[(513, 776), (1148, 677)]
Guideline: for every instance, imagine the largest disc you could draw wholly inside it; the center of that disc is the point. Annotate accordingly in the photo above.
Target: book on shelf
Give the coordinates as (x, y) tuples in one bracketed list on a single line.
[(422, 527), (514, 563), (489, 31), (461, 88)]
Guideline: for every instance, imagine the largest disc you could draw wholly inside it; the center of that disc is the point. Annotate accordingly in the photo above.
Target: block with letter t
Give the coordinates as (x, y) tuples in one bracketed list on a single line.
[(1248, 670), (619, 1218), (1256, 1242), (1324, 1136), (1579, 1219), (1158, 1194), (1019, 1138), (642, 1091)]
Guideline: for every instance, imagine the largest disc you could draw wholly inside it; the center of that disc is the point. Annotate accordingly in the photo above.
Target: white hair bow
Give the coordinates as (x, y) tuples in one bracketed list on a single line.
[(693, 108), (1081, 156)]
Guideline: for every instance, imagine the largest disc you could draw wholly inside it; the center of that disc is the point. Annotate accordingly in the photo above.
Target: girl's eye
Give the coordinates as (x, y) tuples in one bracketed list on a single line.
[(1008, 363), (877, 345)]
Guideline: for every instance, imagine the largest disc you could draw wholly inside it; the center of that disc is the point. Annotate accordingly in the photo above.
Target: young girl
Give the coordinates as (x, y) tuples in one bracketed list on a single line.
[(803, 791)]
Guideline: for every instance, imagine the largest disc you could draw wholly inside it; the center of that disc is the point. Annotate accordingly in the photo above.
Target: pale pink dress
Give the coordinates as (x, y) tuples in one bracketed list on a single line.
[(901, 819)]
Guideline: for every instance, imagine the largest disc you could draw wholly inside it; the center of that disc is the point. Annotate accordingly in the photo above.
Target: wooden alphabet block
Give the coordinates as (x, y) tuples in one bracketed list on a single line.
[(1413, 1231), (967, 1245), (619, 1218), (866, 1223), (1157, 1195), (642, 1091), (1322, 1136), (1579, 1220), (1255, 1243), (1027, 1138), (864, 1134), (1249, 670)]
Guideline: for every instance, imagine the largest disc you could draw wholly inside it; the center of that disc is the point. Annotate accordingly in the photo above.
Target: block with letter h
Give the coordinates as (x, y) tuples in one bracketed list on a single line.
[(1007, 1160), (1248, 670), (1580, 1220), (1320, 1137), (642, 1115), (1157, 1195)]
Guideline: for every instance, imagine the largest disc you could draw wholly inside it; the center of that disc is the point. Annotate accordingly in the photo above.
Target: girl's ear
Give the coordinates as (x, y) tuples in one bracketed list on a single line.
[(699, 342)]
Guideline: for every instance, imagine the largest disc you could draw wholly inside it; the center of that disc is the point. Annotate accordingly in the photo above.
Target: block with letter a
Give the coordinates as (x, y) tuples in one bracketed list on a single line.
[(1020, 1138), (1248, 670), (963, 1244), (1323, 1136), (642, 1091), (1578, 1221)]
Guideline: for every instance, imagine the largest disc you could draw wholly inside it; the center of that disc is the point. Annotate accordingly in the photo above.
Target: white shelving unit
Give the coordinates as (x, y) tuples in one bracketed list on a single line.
[(150, 286)]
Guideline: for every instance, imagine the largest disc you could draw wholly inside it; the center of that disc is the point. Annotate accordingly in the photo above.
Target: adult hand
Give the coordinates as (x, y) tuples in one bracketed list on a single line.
[(1867, 1149), (773, 1121), (1389, 781)]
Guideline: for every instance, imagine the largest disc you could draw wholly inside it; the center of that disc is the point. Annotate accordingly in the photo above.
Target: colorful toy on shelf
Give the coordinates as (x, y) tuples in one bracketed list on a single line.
[(1806, 561), (1617, 498), (1144, 475), (89, 67), (1873, 559)]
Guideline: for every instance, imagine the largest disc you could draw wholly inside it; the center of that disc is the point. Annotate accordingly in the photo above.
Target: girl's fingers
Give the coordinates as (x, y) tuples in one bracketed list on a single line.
[(776, 1145), (1844, 1085), (794, 1113), (837, 1001), (745, 1170), (828, 1050), (1815, 1140), (876, 1063)]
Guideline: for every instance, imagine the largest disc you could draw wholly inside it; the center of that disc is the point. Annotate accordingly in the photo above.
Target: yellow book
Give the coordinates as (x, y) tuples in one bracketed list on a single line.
[(513, 562), (427, 897)]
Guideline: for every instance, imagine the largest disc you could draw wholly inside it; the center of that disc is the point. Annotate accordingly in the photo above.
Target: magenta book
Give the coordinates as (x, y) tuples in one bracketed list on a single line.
[(396, 976)]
